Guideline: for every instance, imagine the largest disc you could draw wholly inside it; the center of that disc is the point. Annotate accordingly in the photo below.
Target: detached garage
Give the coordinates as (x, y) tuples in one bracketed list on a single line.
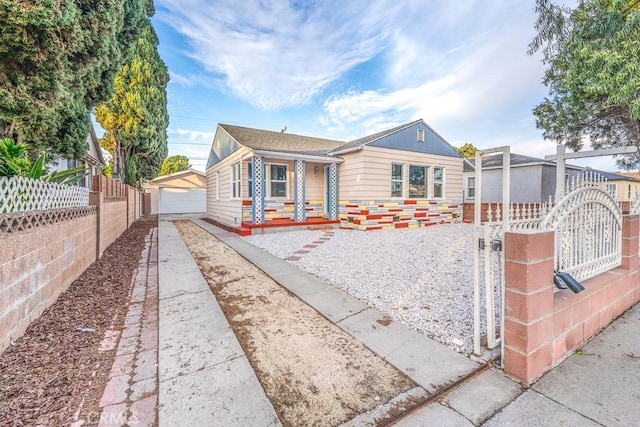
[(180, 192)]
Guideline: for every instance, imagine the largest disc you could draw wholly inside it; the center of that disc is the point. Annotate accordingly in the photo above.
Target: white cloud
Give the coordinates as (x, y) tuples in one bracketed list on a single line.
[(463, 70), (196, 135), (276, 54)]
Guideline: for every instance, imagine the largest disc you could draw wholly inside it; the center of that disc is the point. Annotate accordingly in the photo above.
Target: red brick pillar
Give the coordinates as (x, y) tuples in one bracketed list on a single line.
[(528, 319)]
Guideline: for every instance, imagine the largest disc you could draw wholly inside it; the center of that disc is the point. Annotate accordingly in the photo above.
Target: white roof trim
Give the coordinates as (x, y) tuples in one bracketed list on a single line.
[(295, 156)]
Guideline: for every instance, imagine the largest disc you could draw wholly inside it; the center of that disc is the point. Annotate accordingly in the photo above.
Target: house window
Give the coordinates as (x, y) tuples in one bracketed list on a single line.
[(235, 180), (471, 187), (217, 185), (417, 182), (438, 181), (396, 180), (250, 179), (278, 181), (612, 189), (420, 135), (629, 192)]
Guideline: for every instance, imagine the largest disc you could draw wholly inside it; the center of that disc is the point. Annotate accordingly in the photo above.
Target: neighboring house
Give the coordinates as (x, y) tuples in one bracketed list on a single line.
[(407, 176), (622, 187), (179, 192), (532, 180), (93, 160)]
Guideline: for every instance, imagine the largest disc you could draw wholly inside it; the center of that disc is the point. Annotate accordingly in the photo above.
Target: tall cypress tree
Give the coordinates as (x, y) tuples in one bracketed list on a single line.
[(57, 61), (135, 118)]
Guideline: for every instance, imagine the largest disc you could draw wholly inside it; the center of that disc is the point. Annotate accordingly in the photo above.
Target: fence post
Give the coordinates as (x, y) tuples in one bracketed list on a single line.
[(528, 313), (96, 198), (630, 230)]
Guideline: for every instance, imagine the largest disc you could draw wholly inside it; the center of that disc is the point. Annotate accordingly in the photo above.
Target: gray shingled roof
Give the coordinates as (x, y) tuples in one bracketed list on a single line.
[(370, 138), (610, 176), (495, 161), (257, 139)]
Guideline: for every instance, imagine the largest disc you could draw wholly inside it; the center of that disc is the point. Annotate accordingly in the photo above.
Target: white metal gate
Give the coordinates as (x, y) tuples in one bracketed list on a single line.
[(488, 254), (587, 222)]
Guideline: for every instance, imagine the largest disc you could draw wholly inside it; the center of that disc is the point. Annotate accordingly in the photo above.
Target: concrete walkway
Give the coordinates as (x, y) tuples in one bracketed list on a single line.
[(205, 378), (131, 394)]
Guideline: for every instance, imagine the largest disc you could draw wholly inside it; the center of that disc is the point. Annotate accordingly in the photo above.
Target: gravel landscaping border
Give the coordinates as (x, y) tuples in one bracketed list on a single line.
[(420, 277)]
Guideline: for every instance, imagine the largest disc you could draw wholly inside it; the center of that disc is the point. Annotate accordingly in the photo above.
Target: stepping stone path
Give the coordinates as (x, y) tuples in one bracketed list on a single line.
[(308, 248), (131, 395)]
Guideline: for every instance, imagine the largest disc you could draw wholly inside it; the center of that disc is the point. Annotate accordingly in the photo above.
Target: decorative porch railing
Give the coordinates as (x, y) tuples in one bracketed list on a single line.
[(19, 194)]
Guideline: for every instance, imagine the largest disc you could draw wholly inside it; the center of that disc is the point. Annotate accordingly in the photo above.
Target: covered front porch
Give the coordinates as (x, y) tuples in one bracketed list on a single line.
[(289, 191)]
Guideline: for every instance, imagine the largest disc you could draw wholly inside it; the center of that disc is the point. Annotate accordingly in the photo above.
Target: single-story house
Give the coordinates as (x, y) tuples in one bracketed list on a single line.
[(179, 192), (93, 160), (407, 176), (624, 187), (532, 181)]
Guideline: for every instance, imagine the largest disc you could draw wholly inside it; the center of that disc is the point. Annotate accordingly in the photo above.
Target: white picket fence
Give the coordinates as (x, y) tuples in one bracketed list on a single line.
[(19, 194)]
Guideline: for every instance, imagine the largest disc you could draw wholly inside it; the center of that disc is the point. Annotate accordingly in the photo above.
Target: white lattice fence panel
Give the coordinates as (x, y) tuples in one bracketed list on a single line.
[(18, 194)]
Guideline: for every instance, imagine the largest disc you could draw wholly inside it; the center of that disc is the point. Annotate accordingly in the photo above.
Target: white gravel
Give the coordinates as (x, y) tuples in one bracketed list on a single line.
[(420, 277)]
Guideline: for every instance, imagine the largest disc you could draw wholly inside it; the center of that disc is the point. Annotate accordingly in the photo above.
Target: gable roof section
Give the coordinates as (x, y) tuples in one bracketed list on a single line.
[(93, 156), (264, 140), (403, 137), (189, 178)]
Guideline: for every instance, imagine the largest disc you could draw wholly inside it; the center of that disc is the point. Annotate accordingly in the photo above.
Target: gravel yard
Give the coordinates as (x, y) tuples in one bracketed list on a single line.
[(420, 277)]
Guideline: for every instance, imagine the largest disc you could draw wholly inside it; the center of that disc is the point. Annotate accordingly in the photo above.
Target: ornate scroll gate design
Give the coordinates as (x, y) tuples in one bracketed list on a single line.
[(588, 229)]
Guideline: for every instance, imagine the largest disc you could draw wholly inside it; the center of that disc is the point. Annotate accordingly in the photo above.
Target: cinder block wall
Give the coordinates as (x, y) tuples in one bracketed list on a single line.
[(543, 327), (36, 266), (115, 217)]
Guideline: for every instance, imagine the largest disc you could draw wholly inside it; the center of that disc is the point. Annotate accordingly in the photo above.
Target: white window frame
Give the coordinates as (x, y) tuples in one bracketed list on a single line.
[(469, 178), (217, 185), (434, 182), (612, 189), (420, 135), (235, 178), (286, 182), (426, 176), (401, 180)]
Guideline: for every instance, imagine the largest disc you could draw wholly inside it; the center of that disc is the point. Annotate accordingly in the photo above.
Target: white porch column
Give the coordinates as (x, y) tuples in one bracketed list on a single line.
[(333, 191), (259, 188), (300, 214)]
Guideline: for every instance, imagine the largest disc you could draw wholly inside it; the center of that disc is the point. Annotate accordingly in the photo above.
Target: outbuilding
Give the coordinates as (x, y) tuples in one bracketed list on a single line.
[(179, 192)]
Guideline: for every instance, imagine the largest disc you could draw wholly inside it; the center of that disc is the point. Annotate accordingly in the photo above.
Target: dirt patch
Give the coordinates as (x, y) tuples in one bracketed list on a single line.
[(53, 370), (313, 372)]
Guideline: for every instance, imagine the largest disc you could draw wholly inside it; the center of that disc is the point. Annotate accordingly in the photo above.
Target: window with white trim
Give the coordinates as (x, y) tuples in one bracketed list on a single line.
[(249, 179), (278, 181), (471, 187), (418, 182), (235, 180), (218, 185), (397, 180), (420, 135), (438, 182), (612, 189)]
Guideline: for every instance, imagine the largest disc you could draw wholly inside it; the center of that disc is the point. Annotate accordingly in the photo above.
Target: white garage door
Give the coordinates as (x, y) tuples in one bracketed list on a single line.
[(182, 200)]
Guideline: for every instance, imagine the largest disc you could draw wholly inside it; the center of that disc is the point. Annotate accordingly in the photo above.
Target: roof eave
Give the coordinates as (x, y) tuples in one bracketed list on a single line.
[(296, 156)]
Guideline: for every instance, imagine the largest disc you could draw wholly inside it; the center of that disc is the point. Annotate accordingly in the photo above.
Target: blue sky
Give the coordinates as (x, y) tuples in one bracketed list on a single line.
[(343, 69)]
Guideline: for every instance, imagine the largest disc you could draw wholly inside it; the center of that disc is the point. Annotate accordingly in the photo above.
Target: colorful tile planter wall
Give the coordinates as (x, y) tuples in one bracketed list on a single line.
[(385, 214), (275, 210)]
